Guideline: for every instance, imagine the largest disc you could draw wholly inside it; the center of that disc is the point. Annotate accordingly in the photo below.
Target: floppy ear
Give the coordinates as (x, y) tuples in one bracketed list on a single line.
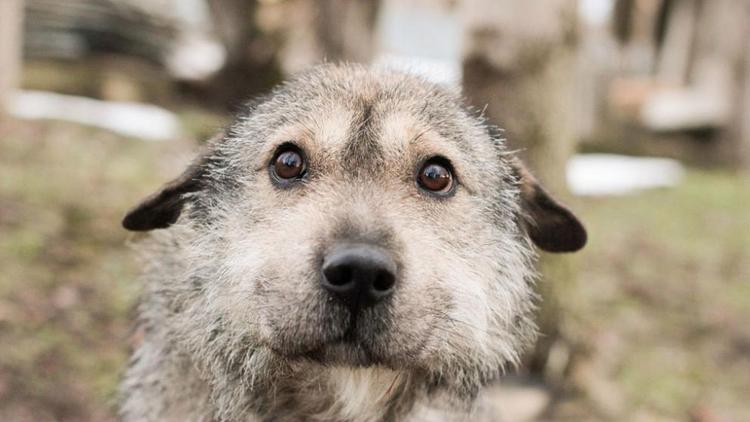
[(162, 208), (550, 225)]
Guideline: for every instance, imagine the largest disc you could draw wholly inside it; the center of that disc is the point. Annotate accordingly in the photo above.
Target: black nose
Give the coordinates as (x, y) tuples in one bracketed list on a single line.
[(359, 274)]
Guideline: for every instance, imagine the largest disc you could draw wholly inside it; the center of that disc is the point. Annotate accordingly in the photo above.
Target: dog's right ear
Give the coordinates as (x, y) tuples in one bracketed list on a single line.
[(162, 208)]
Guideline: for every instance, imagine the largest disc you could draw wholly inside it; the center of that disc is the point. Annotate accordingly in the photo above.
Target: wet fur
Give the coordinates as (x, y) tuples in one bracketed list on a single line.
[(235, 326)]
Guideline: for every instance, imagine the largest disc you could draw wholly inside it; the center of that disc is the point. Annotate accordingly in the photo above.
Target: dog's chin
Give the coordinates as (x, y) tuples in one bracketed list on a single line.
[(348, 353), (343, 352)]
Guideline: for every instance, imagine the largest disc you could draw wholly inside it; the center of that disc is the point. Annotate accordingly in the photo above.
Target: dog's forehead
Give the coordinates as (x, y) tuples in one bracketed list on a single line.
[(368, 112)]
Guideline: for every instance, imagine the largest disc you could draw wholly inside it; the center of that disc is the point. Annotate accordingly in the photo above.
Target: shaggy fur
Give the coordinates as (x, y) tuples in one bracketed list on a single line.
[(235, 324)]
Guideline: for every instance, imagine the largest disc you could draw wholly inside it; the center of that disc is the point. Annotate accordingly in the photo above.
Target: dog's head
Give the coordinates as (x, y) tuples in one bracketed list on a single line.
[(358, 217)]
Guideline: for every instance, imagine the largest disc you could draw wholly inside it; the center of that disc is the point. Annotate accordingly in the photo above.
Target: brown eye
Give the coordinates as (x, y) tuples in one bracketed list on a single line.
[(289, 164), (436, 176)]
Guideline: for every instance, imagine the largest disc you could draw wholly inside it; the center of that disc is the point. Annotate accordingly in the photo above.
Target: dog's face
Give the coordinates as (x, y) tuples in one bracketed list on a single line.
[(360, 218)]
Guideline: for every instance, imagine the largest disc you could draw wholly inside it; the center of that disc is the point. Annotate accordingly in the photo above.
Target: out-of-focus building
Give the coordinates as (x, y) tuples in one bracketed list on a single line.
[(671, 78)]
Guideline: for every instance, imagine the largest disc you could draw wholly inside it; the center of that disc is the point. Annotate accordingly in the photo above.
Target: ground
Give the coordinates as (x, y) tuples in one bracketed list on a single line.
[(658, 315)]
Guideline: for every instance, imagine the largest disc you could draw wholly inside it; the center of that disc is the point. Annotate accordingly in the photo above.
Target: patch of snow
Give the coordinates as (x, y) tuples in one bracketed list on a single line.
[(611, 174), (685, 109), (195, 58), (138, 120), (196, 53), (596, 12)]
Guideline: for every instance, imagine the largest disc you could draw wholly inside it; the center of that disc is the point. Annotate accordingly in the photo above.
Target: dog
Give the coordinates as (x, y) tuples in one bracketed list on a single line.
[(355, 246)]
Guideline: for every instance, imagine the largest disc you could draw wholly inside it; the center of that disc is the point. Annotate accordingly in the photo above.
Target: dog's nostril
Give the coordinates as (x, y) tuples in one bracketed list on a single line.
[(384, 281), (359, 274), (338, 275)]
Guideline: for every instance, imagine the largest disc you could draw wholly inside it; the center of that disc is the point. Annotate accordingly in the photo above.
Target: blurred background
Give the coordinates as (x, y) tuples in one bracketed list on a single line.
[(637, 112)]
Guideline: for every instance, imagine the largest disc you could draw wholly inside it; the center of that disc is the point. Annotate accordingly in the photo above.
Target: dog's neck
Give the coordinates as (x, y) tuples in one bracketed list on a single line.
[(345, 393), (340, 393)]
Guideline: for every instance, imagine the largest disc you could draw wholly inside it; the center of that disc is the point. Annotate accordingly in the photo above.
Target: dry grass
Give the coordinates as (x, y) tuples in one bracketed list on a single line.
[(663, 300), (67, 281)]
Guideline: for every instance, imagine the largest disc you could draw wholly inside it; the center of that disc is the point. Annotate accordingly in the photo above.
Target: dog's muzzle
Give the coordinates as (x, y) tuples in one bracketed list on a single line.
[(359, 275)]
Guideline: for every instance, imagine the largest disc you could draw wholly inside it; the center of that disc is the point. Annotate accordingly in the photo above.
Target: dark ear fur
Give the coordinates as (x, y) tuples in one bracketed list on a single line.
[(551, 226), (162, 209)]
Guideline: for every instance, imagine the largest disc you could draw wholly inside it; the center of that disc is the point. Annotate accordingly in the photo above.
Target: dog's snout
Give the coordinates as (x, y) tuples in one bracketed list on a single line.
[(360, 274)]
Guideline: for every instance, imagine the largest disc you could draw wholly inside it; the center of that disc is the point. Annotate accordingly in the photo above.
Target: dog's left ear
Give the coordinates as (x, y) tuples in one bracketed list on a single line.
[(550, 225)]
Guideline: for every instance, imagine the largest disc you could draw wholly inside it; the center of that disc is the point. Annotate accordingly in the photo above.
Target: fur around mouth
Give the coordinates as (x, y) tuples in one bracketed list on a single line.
[(344, 350)]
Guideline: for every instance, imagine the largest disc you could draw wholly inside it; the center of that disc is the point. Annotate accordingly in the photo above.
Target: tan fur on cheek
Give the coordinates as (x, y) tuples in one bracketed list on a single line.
[(483, 280), (268, 265), (463, 319)]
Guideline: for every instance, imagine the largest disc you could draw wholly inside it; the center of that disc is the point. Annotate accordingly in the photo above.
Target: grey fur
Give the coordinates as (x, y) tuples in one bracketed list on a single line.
[(235, 326)]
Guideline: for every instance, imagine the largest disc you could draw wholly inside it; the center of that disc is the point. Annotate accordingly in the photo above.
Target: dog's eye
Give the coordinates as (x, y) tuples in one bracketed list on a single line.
[(288, 163), (436, 176)]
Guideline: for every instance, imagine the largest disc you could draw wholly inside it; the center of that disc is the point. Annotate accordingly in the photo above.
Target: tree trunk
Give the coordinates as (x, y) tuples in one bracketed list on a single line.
[(327, 30), (739, 130), (252, 64), (635, 26), (519, 65), (718, 69)]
